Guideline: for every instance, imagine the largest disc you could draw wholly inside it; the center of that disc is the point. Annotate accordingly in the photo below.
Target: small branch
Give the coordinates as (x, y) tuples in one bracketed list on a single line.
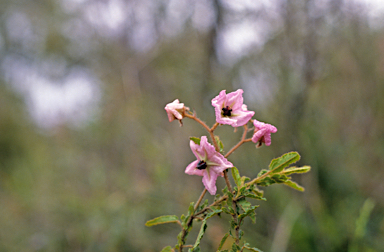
[(210, 130), (211, 205), (200, 199), (243, 140), (190, 220)]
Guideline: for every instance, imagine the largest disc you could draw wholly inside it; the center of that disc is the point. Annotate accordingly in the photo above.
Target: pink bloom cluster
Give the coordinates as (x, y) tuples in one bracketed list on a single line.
[(229, 109), (210, 164)]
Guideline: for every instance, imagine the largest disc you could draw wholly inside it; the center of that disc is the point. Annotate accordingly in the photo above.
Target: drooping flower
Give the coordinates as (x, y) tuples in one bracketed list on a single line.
[(175, 110), (229, 109), (263, 133), (210, 164)]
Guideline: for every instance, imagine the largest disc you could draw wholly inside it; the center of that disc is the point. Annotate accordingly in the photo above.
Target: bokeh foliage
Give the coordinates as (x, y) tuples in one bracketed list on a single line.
[(318, 77)]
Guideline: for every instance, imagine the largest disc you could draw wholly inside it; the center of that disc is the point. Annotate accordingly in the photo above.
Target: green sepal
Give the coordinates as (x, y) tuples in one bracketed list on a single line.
[(295, 169), (223, 241), (278, 164), (162, 220), (294, 185), (196, 140), (199, 236), (219, 143), (167, 249)]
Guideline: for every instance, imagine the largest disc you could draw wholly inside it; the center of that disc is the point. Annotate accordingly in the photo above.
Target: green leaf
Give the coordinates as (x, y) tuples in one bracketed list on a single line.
[(191, 209), (200, 235), (278, 164), (245, 205), (219, 143), (196, 140), (235, 248), (167, 249), (294, 185), (278, 178), (292, 170), (236, 176), (223, 241), (251, 249), (249, 212), (162, 219), (262, 172), (211, 214)]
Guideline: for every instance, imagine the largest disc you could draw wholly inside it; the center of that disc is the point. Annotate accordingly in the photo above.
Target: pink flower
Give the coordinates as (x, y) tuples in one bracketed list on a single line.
[(263, 133), (229, 109), (175, 110), (210, 164)]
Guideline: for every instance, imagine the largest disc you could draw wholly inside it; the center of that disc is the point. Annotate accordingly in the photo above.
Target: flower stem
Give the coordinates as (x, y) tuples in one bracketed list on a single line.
[(200, 199), (243, 140), (210, 130)]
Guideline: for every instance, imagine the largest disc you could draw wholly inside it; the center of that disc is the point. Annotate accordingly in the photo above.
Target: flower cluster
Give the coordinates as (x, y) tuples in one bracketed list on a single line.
[(230, 110)]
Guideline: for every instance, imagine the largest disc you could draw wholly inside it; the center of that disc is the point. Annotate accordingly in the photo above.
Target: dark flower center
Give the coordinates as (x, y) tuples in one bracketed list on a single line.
[(227, 111), (201, 165)]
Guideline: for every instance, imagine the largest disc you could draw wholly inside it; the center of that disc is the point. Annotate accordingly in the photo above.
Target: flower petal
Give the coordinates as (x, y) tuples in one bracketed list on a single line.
[(235, 99), (209, 181), (263, 132), (174, 110), (192, 170)]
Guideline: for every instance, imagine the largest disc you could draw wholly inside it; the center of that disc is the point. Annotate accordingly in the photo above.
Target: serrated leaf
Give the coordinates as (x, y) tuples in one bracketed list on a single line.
[(236, 176), (219, 143), (245, 205), (254, 196), (295, 169), (248, 212), (252, 249), (294, 185), (211, 214), (223, 241), (200, 235), (167, 249), (162, 220), (278, 164), (196, 140), (278, 178), (267, 181)]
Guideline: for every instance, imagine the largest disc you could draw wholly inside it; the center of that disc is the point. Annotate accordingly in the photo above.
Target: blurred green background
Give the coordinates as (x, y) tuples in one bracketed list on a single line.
[(87, 154)]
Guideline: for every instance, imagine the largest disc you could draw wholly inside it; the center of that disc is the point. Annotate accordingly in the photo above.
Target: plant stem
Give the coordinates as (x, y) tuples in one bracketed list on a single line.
[(190, 220), (243, 140), (210, 130)]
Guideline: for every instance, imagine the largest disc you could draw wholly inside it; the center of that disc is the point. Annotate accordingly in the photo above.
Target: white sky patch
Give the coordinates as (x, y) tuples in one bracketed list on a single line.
[(237, 39), (71, 98), (72, 101)]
